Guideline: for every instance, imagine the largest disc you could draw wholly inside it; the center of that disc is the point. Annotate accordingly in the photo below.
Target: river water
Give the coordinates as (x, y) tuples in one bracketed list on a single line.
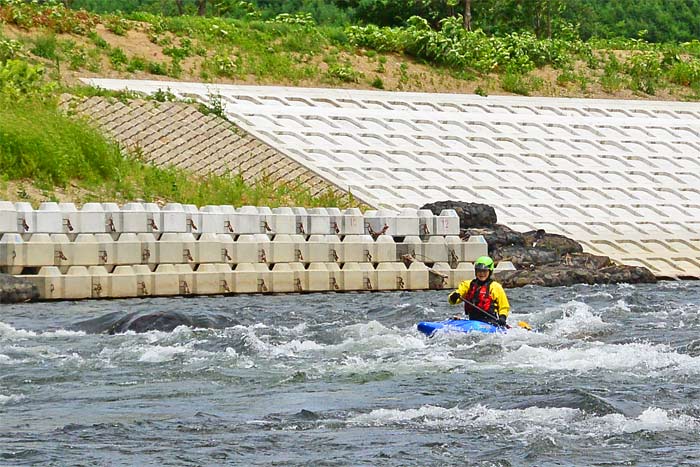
[(611, 377)]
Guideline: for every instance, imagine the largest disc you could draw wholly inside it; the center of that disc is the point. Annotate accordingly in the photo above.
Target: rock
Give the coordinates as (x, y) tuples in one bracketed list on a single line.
[(470, 214), (556, 242), (562, 275), (497, 236), (16, 290)]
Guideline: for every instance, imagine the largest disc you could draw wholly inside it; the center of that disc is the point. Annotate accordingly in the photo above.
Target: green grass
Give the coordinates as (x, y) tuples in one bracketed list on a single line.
[(40, 144)]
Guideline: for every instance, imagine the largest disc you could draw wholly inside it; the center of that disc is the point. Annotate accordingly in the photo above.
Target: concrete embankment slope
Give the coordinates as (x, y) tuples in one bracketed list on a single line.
[(622, 177)]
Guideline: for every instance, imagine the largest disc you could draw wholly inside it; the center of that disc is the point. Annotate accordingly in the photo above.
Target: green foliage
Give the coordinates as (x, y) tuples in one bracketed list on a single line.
[(19, 80), (520, 84), (645, 70), (343, 72), (456, 47), (686, 73), (118, 58), (41, 144), (46, 46), (52, 16), (116, 24), (9, 49)]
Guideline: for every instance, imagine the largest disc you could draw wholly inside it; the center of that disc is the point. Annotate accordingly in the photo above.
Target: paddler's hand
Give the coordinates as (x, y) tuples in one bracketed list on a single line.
[(453, 298), (502, 320)]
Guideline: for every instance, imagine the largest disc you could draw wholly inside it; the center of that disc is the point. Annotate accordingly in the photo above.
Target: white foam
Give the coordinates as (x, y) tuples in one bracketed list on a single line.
[(652, 419), (10, 399), (158, 354), (530, 421), (578, 318), (5, 360), (9, 333), (644, 359)]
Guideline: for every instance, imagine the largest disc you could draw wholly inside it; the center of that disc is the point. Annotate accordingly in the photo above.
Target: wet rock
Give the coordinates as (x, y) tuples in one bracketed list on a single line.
[(562, 275), (16, 290), (470, 214), (497, 236), (540, 258), (559, 243)]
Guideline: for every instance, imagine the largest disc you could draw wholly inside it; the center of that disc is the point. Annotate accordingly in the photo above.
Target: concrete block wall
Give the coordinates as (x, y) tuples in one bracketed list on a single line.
[(103, 250)]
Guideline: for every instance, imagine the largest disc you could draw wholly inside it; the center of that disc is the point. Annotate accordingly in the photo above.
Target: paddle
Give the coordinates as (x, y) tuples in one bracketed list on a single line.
[(493, 319)]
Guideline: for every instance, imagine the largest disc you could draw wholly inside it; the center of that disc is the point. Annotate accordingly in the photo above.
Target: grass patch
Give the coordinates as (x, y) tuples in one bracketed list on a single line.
[(41, 144)]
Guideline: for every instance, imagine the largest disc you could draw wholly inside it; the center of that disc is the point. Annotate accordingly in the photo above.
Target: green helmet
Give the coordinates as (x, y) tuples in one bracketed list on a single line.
[(483, 263)]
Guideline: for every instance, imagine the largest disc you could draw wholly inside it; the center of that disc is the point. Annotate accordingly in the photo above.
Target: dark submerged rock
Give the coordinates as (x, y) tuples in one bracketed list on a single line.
[(16, 290)]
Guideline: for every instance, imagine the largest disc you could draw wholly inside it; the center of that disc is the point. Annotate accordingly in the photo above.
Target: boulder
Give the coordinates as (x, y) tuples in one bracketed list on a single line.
[(470, 214), (16, 290)]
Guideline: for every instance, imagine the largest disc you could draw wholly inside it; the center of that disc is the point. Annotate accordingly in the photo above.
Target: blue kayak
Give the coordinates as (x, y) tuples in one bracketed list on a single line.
[(457, 325)]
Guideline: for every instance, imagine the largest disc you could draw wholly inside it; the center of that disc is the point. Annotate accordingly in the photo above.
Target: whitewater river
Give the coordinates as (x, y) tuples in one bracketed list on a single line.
[(612, 377)]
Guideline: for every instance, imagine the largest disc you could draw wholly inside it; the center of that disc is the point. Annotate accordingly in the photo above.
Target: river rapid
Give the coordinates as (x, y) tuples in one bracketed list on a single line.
[(611, 377)]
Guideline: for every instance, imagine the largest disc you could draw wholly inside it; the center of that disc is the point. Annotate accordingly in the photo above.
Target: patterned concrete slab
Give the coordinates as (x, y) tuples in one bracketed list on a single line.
[(623, 177), (175, 134)]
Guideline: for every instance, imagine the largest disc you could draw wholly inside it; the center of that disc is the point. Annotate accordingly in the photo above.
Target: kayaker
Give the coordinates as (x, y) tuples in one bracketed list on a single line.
[(484, 298)]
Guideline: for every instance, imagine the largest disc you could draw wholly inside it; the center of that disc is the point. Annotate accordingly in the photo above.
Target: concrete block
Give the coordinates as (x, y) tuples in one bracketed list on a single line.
[(336, 280), (418, 277), (149, 249), (357, 248), (212, 220), (101, 281), (8, 218), (359, 276), (426, 222), (300, 277), (209, 280), (49, 218), (177, 248), (411, 245), (127, 250), (248, 249), (248, 220), (317, 278), (447, 223), (445, 268), (174, 219), (193, 219), (385, 249), (474, 247), (252, 278), (92, 219), (230, 218), (113, 218), (187, 279), (70, 218), (380, 222), (435, 250), (77, 283), (353, 222), (281, 221), (463, 272), (124, 282), (145, 280), (301, 220), (282, 249), (407, 223), (282, 277), (26, 218), (319, 222), (136, 220), (166, 280), (391, 276)]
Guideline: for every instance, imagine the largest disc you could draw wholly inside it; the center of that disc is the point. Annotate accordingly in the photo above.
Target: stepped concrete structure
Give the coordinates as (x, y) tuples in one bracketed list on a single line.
[(104, 250), (621, 177)]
